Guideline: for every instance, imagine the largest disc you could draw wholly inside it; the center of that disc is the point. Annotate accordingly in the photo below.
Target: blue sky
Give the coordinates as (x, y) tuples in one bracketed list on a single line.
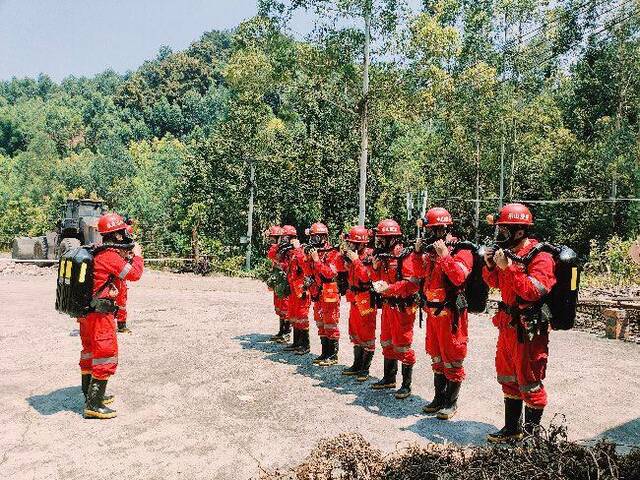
[(84, 37)]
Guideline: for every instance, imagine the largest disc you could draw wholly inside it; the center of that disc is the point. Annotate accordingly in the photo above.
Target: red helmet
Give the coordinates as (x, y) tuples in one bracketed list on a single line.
[(514, 214), (438, 217), (289, 231), (388, 228), (318, 229), (358, 234), (111, 222), (275, 231)]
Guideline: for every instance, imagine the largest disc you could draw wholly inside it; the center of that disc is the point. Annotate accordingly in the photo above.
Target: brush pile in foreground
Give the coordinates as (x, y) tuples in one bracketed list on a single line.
[(547, 456)]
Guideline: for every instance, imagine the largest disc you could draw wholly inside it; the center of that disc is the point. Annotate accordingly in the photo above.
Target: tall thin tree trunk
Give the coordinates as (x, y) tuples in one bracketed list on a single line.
[(476, 221), (252, 179), (364, 147)]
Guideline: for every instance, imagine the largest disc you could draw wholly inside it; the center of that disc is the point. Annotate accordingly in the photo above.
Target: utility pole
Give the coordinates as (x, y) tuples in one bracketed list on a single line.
[(364, 148), (476, 221), (502, 170), (252, 179)]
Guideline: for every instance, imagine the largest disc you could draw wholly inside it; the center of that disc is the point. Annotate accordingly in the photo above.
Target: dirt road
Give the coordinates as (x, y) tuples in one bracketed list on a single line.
[(201, 394)]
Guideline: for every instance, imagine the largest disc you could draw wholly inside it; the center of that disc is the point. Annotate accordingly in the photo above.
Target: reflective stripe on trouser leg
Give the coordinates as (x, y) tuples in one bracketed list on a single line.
[(402, 334), (437, 365), (104, 344), (331, 317), (385, 333), (367, 331), (531, 366), (86, 338)]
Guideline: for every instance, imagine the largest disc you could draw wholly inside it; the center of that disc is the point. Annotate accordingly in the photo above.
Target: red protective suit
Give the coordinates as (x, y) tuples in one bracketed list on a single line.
[(324, 292), (521, 366), (445, 344), (299, 299), (362, 314), (396, 331), (279, 303), (121, 302), (99, 354)]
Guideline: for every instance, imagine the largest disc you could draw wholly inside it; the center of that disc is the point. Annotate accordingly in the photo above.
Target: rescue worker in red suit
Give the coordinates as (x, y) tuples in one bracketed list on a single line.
[(396, 282), (121, 300), (279, 303), (324, 263), (444, 274), (291, 254), (362, 312), (98, 329), (521, 354)]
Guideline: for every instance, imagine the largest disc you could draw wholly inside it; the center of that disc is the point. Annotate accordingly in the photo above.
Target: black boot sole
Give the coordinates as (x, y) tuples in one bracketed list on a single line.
[(383, 386), (93, 414)]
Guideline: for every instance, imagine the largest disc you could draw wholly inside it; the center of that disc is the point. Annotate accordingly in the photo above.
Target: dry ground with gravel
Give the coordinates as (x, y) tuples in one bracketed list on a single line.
[(202, 394)]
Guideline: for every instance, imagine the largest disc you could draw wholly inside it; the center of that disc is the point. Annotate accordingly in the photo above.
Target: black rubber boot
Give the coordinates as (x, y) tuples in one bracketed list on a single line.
[(512, 431), (122, 328), (440, 386), (332, 354), (451, 401), (276, 338), (86, 380), (94, 406), (305, 345), (532, 417), (354, 369), (363, 374), (389, 378), (286, 332), (405, 389), (296, 342), (323, 351)]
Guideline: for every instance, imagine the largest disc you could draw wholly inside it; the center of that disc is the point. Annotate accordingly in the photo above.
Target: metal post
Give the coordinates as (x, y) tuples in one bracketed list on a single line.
[(476, 222), (252, 179), (502, 172), (364, 147)]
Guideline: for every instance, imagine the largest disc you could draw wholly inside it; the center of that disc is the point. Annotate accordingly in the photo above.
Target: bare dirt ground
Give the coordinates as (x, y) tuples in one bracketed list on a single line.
[(202, 394)]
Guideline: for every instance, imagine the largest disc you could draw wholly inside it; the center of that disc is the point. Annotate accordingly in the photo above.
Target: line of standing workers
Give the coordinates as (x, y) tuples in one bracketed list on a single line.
[(379, 278)]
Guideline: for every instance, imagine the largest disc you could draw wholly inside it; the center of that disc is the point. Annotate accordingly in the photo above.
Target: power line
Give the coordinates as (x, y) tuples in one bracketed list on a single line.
[(551, 57), (531, 33)]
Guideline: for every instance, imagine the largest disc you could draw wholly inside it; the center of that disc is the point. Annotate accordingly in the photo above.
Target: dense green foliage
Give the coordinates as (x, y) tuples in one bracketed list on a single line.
[(453, 90)]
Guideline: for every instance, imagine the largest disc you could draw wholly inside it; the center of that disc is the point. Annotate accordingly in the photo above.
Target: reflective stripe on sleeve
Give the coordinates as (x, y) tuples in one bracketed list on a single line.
[(414, 280), (86, 356), (464, 268), (125, 270), (385, 343), (542, 290), (436, 360), (402, 349)]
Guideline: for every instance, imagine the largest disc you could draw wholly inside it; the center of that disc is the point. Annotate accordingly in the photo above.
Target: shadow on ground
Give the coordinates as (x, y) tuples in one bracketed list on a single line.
[(68, 399), (378, 402), (626, 434)]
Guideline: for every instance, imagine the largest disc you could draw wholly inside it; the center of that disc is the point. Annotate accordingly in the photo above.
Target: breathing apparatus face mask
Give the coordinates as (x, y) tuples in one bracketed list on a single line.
[(271, 240), (284, 240), (385, 244), (317, 240), (509, 236), (120, 239), (433, 234), (355, 246)]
